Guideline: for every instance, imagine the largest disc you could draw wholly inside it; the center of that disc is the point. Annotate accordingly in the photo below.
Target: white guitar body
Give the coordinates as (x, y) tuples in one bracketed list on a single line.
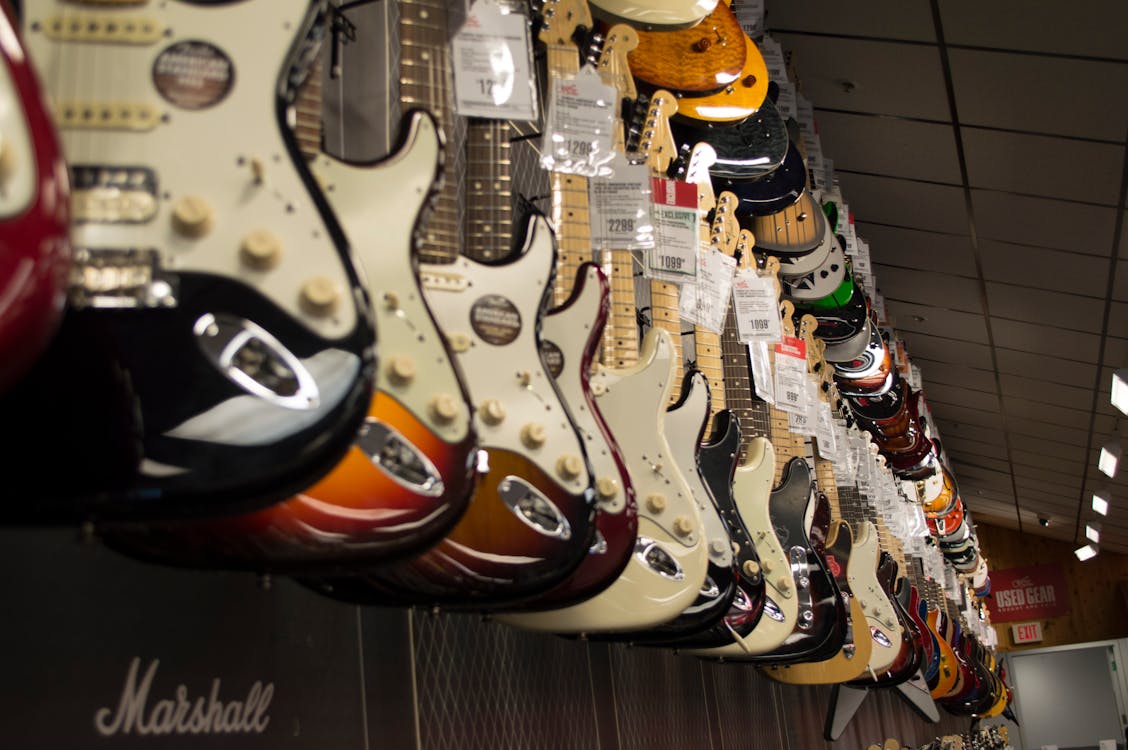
[(217, 199), (378, 207), (667, 570), (489, 315), (881, 619), (752, 489), (683, 426), (664, 14)]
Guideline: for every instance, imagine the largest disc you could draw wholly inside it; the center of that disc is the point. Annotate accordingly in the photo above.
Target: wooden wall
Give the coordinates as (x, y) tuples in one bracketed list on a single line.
[(1098, 589)]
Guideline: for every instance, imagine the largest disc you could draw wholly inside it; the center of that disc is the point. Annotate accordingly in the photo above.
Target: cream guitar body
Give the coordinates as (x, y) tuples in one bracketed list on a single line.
[(881, 619), (666, 570)]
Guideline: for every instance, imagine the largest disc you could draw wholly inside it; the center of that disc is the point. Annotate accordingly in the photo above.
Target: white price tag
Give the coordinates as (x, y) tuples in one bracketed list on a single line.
[(815, 165), (706, 302), (806, 423), (806, 116), (756, 307), (491, 55), (846, 229), (828, 172), (824, 433), (619, 207), (774, 60), (914, 377), (787, 104), (762, 371), (676, 237), (791, 375), (578, 128), (879, 307), (750, 14), (862, 263)]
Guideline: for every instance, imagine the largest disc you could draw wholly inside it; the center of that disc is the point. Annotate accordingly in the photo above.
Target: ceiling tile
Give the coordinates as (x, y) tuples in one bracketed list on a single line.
[(1023, 163), (1055, 342), (943, 349), (957, 412), (997, 481), (1045, 307), (1048, 269), (1118, 318), (955, 432), (917, 248), (1116, 351), (924, 319), (1044, 222), (1069, 396), (993, 463), (1120, 291), (1045, 367), (890, 146), (953, 374), (1052, 433), (1054, 95), (1058, 415), (1038, 27), (978, 400), (893, 19), (1049, 462), (929, 288), (1042, 474), (920, 205), (914, 87)]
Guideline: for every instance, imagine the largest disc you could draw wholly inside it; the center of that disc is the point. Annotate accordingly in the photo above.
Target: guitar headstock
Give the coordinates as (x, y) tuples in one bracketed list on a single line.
[(724, 234), (807, 325), (619, 41), (745, 241), (701, 157), (561, 18), (787, 317), (656, 143)]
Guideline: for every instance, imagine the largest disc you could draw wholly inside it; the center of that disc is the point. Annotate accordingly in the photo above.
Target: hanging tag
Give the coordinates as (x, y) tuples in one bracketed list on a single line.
[(878, 302), (787, 103), (619, 207), (762, 371), (676, 237), (750, 14), (824, 433), (492, 57), (862, 263), (756, 307), (791, 375), (815, 166), (846, 229), (578, 128), (828, 172), (706, 302), (914, 377), (805, 423)]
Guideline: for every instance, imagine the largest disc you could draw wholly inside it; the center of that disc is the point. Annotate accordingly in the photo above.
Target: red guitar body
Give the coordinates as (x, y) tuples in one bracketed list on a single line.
[(35, 251)]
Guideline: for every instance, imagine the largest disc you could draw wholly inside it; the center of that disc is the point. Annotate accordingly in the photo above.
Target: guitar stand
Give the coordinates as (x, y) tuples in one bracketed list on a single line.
[(845, 700)]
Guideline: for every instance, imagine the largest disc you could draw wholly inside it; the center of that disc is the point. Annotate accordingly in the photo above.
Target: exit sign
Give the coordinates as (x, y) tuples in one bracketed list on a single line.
[(1027, 632)]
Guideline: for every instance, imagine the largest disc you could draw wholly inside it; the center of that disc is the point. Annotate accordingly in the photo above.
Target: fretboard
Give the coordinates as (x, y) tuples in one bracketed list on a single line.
[(425, 84), (664, 313), (489, 194), (751, 412), (307, 113)]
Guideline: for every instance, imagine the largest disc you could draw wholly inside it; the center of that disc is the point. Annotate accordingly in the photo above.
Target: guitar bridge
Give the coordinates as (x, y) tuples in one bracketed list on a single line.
[(120, 278)]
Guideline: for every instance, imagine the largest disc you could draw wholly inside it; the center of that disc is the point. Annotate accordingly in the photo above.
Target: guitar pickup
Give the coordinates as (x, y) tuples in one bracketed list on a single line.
[(120, 278), (103, 28), (91, 115), (442, 281), (113, 195)]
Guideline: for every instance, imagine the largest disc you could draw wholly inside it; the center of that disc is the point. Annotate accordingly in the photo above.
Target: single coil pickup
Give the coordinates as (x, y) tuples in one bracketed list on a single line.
[(80, 115), (103, 28), (445, 282)]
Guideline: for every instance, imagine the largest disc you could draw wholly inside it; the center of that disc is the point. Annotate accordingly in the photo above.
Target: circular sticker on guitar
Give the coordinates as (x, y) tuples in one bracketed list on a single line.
[(553, 358), (193, 74), (495, 319)]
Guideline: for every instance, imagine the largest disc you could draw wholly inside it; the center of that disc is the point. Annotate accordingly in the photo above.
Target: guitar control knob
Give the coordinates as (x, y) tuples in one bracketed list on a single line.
[(319, 296), (533, 435), (683, 527), (492, 411), (192, 217), (459, 342), (401, 369), (261, 249), (606, 488), (768, 567), (656, 502), (569, 466), (717, 547), (751, 568), (784, 584), (444, 408)]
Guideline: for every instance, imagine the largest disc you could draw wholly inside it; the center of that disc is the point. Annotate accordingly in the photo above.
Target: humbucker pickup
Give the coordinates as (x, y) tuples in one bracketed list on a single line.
[(103, 28), (120, 278), (113, 194)]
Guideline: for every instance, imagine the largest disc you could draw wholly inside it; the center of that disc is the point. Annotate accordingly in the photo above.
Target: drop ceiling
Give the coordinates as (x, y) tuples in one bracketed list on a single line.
[(981, 147)]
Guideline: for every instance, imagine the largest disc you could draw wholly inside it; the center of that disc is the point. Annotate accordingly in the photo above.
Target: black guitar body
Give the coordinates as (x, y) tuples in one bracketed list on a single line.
[(774, 192), (751, 149), (150, 428)]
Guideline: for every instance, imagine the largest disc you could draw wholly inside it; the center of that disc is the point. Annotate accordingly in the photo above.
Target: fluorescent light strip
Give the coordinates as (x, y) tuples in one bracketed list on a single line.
[(1110, 458), (1088, 552), (1120, 390), (1101, 502), (1093, 532)]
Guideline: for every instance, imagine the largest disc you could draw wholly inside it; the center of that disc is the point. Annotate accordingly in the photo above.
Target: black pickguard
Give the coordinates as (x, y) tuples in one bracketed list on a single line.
[(749, 150), (774, 192)]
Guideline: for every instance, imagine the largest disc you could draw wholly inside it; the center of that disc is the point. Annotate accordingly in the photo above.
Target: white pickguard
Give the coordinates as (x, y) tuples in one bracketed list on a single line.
[(752, 489), (683, 425), (570, 329), (378, 206), (633, 402), (18, 186), (210, 153), (512, 375), (861, 572), (670, 13)]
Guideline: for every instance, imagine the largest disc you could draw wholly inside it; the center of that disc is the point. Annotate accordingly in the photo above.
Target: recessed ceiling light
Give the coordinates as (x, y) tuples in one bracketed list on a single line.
[(1093, 532), (1120, 390), (1088, 552), (1101, 500), (1110, 457)]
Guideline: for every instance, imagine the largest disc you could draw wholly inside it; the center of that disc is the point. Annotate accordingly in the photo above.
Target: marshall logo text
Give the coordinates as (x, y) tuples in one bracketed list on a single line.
[(181, 714)]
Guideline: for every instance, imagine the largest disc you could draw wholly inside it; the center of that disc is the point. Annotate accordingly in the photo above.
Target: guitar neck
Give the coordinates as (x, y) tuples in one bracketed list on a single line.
[(307, 113), (786, 443), (840, 506), (664, 314), (425, 84), (489, 194), (707, 355)]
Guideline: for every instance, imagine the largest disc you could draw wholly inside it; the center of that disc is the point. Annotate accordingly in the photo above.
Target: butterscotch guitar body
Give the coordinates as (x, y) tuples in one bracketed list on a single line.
[(703, 59), (795, 230)]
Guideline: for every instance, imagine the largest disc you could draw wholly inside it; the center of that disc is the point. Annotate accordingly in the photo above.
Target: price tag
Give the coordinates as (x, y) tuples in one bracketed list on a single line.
[(750, 14), (578, 128), (756, 307), (619, 207), (828, 172), (774, 60), (805, 423), (492, 57), (815, 165), (878, 302), (706, 302), (824, 433), (786, 103), (914, 377), (862, 263), (791, 375), (762, 371), (676, 238)]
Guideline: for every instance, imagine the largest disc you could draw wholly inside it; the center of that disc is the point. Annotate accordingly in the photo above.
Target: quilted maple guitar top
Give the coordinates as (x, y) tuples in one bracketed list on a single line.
[(705, 58)]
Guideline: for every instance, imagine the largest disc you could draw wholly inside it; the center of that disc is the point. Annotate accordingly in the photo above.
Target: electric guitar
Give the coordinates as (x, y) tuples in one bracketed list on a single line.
[(408, 475), (661, 14), (531, 520), (34, 213), (703, 59), (735, 104), (224, 335)]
